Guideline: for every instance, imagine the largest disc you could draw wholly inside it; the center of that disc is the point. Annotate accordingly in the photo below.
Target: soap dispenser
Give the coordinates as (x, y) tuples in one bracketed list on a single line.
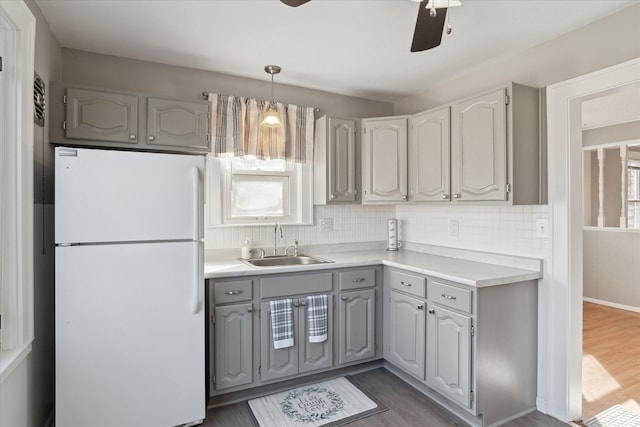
[(246, 250)]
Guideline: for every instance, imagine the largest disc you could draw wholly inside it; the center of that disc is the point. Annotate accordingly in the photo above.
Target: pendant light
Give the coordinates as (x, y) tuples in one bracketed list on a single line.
[(271, 118)]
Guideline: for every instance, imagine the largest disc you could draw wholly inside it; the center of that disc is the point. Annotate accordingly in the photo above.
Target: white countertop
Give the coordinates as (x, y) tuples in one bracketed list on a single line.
[(454, 268)]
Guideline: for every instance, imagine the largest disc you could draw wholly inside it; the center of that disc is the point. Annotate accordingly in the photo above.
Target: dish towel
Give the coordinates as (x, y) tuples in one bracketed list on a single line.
[(282, 323), (317, 318)]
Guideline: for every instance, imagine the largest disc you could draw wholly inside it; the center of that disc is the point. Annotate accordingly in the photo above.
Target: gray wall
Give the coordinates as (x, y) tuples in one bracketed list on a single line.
[(27, 396), (113, 72), (611, 40)]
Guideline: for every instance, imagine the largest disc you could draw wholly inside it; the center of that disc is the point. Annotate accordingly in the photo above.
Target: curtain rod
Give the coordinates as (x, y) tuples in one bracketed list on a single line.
[(205, 95)]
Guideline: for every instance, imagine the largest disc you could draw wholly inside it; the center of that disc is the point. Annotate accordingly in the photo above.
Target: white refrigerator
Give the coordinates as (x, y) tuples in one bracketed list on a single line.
[(129, 289)]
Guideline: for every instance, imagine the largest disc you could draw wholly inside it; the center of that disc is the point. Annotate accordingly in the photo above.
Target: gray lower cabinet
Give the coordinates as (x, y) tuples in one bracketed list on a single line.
[(303, 356), (357, 325), (406, 339), (234, 342), (449, 354)]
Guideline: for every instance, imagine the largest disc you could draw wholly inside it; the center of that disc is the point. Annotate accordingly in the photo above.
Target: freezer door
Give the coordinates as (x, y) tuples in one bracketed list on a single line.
[(116, 196), (130, 335)]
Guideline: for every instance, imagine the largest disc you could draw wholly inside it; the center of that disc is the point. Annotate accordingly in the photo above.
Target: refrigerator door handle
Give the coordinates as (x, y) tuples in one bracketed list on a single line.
[(195, 175), (195, 302)]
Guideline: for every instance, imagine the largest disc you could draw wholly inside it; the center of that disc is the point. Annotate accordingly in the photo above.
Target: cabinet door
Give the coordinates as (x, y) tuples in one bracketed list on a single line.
[(233, 345), (479, 148), (278, 363), (385, 160), (449, 354), (429, 154), (342, 160), (357, 325), (101, 116), (314, 356), (178, 124), (406, 326)]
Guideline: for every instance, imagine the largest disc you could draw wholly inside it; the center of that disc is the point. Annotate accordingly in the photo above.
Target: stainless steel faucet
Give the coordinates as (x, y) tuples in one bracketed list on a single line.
[(275, 238)]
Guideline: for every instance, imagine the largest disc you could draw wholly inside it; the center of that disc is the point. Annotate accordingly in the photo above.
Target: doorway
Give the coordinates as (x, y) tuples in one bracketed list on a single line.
[(565, 176)]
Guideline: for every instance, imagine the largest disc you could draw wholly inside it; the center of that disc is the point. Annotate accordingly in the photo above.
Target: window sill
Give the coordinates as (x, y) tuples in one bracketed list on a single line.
[(10, 359)]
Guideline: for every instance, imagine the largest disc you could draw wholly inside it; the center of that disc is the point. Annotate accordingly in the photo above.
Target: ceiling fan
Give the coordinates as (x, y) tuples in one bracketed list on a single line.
[(429, 24)]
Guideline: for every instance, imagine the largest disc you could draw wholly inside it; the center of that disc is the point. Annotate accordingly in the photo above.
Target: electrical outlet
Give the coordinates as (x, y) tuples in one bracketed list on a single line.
[(454, 228), (542, 228), (326, 224)]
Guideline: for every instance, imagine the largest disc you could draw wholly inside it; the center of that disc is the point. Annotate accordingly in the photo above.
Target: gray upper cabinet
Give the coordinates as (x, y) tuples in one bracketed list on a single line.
[(178, 124), (495, 147), (336, 161), (479, 148), (90, 117), (357, 325), (101, 116), (384, 160), (429, 165)]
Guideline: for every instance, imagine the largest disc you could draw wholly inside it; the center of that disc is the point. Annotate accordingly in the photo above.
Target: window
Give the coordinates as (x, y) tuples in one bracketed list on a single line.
[(633, 195), (250, 191), (17, 42)]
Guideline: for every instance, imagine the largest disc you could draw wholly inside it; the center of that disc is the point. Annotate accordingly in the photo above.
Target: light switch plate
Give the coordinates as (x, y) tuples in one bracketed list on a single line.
[(454, 228), (542, 228)]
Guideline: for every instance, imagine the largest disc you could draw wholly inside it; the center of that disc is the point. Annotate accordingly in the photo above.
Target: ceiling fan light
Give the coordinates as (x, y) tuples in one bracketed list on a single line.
[(441, 4), (271, 118)]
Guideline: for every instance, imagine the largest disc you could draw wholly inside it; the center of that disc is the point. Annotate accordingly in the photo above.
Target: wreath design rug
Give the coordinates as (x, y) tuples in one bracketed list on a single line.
[(329, 403)]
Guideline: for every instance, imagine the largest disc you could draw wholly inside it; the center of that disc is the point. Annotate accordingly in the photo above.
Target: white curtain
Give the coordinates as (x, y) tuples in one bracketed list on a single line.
[(236, 130)]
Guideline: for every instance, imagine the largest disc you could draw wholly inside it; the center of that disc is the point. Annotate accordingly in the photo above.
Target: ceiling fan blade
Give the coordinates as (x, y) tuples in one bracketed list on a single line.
[(428, 32), (294, 3)]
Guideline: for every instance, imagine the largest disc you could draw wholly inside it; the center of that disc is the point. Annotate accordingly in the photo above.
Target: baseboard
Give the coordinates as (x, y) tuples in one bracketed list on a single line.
[(612, 304)]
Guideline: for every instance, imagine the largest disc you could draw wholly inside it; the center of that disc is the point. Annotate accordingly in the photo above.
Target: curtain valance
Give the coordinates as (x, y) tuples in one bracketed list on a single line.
[(236, 130)]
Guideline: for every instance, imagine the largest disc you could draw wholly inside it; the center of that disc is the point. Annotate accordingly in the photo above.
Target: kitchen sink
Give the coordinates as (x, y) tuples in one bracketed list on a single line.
[(280, 261)]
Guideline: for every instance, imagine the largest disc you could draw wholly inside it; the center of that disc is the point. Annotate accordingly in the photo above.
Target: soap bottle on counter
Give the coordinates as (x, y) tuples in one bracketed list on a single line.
[(246, 250)]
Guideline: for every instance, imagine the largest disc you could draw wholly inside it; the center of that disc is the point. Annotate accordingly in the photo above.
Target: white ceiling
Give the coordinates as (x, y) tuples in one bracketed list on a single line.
[(351, 47)]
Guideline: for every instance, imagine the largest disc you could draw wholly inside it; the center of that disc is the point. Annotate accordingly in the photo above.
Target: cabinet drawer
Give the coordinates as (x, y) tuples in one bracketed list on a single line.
[(409, 283), (295, 284), (450, 296), (356, 279), (233, 291)]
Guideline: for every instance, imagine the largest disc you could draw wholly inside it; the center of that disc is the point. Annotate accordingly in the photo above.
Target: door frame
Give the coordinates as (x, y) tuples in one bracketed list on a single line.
[(565, 176)]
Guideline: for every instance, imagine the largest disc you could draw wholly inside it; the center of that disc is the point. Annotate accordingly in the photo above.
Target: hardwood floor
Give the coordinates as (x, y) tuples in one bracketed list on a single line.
[(407, 408), (610, 359)]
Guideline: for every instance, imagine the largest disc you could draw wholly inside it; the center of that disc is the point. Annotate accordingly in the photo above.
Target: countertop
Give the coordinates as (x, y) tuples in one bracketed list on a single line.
[(494, 269)]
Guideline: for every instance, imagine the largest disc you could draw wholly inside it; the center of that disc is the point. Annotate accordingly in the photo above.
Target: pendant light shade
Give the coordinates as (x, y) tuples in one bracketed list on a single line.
[(271, 118)]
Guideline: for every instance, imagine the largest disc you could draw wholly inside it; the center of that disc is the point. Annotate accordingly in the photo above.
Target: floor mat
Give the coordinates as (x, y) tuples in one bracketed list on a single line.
[(328, 403)]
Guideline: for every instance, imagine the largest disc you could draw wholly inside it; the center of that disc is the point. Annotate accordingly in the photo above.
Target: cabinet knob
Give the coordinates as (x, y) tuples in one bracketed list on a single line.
[(358, 279), (404, 197), (344, 298), (132, 136), (445, 196), (448, 296), (405, 284), (420, 306), (457, 195), (151, 138), (431, 311), (303, 303), (250, 309), (295, 304), (332, 196)]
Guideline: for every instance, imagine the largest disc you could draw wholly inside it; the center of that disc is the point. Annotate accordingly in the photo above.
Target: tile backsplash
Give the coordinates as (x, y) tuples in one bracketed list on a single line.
[(500, 229), (351, 224)]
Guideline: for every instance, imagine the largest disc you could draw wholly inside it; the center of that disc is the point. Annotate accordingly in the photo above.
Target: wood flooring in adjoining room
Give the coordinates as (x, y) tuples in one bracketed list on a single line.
[(407, 408), (610, 359)]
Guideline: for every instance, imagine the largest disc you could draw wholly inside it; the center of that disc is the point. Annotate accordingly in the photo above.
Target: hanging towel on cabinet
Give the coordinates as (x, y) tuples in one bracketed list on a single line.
[(317, 318), (282, 323)]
